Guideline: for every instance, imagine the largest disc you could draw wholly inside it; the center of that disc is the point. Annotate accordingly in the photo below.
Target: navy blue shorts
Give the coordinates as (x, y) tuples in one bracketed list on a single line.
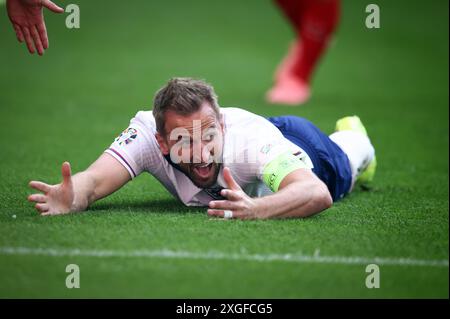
[(331, 164)]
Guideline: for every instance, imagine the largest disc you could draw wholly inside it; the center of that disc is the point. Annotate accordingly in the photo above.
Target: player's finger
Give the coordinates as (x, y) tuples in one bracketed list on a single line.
[(224, 204), (215, 212), (52, 7), (28, 39), (40, 186), (19, 33), (43, 34), (221, 214), (66, 173), (230, 180), (231, 195), (46, 214), (42, 207), (37, 40), (38, 198)]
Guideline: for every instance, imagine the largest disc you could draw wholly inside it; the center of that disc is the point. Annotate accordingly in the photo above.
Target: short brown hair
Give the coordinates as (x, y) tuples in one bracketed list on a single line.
[(184, 96)]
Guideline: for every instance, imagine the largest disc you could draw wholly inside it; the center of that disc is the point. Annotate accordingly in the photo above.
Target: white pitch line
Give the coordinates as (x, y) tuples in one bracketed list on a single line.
[(172, 254)]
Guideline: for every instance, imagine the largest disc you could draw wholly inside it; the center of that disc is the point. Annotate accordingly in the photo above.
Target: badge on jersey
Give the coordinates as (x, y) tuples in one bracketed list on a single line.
[(127, 136)]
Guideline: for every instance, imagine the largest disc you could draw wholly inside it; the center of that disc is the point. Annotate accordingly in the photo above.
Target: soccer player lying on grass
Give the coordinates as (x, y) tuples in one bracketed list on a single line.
[(239, 164)]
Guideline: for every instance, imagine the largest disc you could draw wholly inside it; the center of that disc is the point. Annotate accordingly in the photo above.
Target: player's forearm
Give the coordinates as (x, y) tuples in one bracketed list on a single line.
[(84, 191), (295, 200)]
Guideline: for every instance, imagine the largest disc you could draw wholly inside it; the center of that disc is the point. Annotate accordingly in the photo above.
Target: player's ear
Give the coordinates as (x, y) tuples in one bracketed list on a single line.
[(162, 143)]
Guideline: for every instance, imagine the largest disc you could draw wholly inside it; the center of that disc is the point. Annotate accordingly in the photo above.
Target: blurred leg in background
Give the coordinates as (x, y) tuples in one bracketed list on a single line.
[(314, 22)]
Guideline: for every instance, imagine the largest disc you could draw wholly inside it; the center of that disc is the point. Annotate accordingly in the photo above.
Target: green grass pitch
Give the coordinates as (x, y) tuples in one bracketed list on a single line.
[(140, 242)]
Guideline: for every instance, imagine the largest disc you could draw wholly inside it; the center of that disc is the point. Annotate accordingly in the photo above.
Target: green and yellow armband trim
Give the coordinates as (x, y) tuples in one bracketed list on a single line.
[(275, 171)]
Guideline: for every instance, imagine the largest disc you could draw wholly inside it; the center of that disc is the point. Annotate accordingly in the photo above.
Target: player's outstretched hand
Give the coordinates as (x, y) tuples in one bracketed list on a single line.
[(27, 19), (56, 199), (237, 202)]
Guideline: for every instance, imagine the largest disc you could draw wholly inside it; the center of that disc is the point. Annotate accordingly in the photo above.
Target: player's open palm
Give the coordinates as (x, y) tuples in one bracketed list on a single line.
[(56, 199), (28, 21)]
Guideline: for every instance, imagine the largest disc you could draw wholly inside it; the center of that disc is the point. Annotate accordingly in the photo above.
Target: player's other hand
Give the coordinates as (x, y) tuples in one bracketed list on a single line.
[(56, 199), (27, 19), (237, 201)]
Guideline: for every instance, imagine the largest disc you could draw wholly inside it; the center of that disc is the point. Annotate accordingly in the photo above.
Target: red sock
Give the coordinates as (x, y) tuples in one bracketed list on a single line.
[(314, 22)]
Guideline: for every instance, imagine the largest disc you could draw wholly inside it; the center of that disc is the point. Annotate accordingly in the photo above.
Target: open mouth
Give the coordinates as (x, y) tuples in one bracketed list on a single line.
[(204, 170)]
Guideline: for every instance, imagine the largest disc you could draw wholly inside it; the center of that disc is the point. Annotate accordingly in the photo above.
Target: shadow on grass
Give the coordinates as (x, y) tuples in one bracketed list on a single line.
[(156, 206)]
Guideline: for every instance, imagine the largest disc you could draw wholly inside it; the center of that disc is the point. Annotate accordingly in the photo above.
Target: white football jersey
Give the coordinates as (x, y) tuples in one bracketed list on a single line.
[(250, 143)]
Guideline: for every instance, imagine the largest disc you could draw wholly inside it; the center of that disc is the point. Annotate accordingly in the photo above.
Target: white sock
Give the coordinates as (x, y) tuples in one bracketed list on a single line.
[(358, 148)]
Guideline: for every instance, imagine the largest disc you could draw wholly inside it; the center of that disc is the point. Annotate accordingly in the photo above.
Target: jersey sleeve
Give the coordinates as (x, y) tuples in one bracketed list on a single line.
[(269, 163), (136, 147), (255, 150)]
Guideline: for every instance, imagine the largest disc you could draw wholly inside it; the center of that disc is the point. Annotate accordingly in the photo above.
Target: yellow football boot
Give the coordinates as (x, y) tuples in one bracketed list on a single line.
[(353, 123)]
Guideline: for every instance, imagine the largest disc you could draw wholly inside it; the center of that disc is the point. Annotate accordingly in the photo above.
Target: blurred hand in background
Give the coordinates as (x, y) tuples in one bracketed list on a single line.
[(28, 22)]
